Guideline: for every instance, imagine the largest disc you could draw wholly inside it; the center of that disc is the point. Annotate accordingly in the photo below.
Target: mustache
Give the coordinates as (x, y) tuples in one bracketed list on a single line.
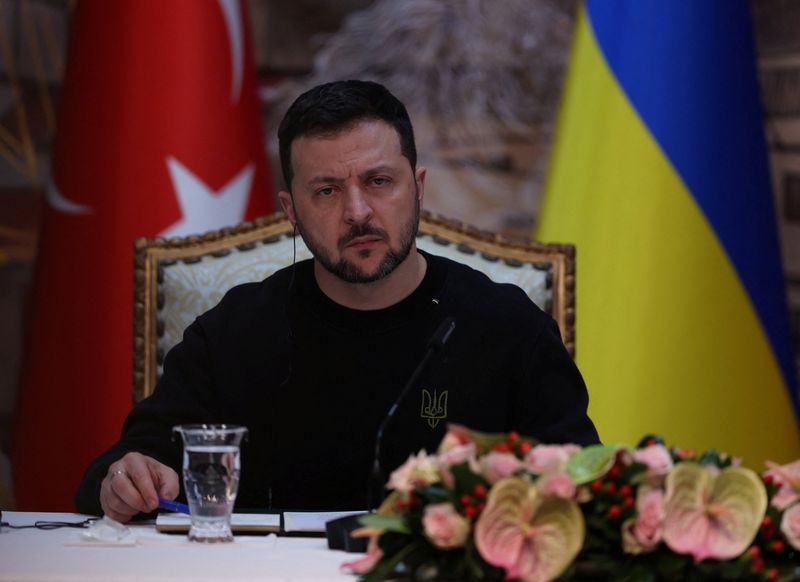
[(362, 230)]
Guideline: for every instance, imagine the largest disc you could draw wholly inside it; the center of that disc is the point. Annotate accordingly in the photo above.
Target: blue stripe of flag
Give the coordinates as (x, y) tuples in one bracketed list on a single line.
[(689, 69)]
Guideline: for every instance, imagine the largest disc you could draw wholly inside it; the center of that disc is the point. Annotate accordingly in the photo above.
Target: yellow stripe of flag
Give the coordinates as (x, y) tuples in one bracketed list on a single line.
[(667, 338)]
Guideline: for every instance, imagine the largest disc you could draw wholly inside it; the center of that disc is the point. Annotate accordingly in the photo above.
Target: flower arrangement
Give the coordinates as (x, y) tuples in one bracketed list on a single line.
[(494, 507)]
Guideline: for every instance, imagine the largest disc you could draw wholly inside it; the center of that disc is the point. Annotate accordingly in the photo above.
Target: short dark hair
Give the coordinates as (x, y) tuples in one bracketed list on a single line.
[(333, 107)]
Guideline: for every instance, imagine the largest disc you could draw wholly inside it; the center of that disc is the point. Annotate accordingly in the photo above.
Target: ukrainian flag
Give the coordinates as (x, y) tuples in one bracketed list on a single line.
[(659, 176)]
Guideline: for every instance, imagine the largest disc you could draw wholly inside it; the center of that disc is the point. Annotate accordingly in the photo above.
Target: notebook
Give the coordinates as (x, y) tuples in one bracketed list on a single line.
[(309, 522)]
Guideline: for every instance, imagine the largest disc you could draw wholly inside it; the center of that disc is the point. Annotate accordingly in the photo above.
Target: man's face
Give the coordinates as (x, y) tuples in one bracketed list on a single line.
[(355, 200)]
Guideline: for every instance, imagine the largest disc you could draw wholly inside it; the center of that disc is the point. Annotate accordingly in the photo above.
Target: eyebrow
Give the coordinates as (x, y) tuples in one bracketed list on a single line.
[(324, 179), (381, 169)]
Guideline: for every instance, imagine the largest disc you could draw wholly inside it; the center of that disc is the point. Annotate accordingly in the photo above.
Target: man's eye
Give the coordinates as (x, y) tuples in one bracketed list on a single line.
[(378, 181), (325, 191)]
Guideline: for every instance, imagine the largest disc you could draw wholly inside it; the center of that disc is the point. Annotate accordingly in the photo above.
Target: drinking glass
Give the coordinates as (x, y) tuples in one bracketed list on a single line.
[(211, 477)]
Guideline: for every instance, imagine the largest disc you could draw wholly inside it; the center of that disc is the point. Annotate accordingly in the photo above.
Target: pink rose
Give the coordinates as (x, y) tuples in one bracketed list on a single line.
[(456, 435), (787, 478), (644, 532), (444, 527), (496, 466), (544, 459), (455, 456), (367, 562), (657, 459), (649, 525), (420, 469), (790, 525), (557, 485), (400, 479)]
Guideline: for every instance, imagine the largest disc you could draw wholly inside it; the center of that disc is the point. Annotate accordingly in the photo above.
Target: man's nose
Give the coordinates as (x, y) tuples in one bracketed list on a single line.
[(357, 209)]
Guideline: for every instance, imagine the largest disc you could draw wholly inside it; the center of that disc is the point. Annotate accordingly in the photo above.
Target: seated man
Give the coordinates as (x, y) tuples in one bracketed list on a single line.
[(312, 358)]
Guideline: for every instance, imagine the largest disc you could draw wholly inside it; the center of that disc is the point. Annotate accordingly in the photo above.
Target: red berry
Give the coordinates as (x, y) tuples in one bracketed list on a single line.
[(626, 490), (513, 436), (614, 511), (613, 472), (480, 490), (628, 502), (525, 447), (768, 532), (481, 507), (501, 447), (777, 546), (758, 565), (771, 574), (611, 488), (596, 486), (465, 500), (754, 552), (470, 511), (769, 480), (766, 522), (650, 442)]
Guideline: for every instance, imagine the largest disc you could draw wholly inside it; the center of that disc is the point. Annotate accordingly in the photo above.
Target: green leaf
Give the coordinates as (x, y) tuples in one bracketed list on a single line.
[(435, 493), (385, 522), (710, 457), (386, 565), (465, 479), (591, 463)]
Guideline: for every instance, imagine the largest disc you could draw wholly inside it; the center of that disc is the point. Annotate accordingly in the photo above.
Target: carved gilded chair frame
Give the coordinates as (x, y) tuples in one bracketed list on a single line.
[(152, 255)]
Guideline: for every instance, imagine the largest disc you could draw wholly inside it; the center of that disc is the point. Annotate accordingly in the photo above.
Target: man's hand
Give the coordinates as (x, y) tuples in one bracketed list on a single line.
[(133, 485)]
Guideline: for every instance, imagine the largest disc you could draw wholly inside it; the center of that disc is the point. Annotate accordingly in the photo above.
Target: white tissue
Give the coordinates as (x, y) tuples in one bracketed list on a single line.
[(108, 531)]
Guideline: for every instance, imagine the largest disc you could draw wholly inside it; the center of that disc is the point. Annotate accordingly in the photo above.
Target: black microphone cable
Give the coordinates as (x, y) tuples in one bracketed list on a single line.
[(435, 345)]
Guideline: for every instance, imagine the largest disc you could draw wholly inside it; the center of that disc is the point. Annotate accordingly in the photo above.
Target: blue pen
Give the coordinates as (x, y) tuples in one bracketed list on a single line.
[(173, 505)]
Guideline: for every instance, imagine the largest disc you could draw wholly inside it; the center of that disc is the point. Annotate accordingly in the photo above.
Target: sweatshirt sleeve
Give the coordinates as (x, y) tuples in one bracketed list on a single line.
[(184, 394), (552, 400)]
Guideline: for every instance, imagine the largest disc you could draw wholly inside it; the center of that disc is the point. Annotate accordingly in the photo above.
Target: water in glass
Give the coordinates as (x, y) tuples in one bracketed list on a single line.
[(211, 478)]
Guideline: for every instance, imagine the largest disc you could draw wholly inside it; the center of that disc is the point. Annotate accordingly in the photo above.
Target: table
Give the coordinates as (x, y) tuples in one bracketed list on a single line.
[(62, 555)]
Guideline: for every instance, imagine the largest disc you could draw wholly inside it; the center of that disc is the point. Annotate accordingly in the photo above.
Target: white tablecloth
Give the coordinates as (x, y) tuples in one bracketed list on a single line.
[(32, 555)]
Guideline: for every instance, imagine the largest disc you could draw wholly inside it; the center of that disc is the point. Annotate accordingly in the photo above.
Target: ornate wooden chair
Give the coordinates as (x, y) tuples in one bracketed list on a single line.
[(178, 279)]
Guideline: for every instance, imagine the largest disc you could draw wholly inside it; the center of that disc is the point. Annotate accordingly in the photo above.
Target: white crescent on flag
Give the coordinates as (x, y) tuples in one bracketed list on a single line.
[(233, 21), (62, 204)]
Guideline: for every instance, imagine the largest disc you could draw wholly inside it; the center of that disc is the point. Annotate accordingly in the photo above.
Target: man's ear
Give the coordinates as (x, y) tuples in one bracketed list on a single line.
[(419, 176), (287, 203)]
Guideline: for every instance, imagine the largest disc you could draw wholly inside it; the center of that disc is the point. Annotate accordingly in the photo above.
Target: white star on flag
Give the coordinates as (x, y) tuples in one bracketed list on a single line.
[(201, 207)]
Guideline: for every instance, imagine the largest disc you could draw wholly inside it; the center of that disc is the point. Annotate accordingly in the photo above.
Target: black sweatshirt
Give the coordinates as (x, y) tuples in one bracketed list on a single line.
[(312, 381)]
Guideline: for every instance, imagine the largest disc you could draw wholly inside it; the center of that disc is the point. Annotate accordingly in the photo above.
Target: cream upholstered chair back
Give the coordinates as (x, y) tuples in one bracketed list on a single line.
[(178, 279)]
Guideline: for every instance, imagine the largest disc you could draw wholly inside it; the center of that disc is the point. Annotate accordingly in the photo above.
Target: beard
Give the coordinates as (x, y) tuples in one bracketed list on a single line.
[(352, 273)]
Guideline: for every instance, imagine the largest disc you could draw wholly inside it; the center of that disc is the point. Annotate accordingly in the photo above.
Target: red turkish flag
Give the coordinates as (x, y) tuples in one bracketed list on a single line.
[(159, 132)]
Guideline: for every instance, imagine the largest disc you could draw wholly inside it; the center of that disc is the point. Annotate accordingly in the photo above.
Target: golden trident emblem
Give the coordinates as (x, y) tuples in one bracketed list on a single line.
[(434, 407)]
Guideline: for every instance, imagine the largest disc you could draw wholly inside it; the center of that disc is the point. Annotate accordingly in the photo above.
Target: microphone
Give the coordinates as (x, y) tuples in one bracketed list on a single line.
[(435, 345), (338, 530)]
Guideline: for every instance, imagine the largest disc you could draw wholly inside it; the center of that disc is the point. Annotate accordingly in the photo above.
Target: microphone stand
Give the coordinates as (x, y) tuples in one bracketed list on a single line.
[(338, 530), (436, 343)]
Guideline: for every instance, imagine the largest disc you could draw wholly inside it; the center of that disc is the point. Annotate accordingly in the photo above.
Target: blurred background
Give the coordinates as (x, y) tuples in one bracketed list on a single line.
[(448, 61)]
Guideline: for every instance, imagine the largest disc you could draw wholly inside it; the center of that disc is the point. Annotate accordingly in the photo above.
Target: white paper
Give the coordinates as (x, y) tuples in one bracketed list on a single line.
[(267, 521), (312, 521)]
